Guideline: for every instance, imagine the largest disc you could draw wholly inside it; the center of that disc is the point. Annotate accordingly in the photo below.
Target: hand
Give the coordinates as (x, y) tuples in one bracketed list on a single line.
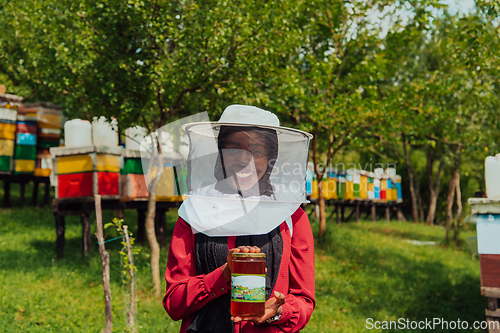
[(273, 308), (226, 269)]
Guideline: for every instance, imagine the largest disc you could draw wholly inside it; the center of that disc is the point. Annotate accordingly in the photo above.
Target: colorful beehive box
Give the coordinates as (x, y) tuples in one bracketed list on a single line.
[(363, 185), (86, 171), (172, 183), (25, 148), (383, 188), (349, 185), (399, 190), (371, 186), (309, 178), (7, 130), (6, 155), (48, 138), (330, 185), (48, 131), (341, 183), (356, 183), (376, 188), (487, 213), (133, 181), (47, 115), (389, 190), (8, 119)]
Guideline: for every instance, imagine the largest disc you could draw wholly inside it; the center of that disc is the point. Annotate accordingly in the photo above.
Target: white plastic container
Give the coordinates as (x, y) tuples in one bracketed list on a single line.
[(77, 133), (104, 133), (134, 136), (492, 176)]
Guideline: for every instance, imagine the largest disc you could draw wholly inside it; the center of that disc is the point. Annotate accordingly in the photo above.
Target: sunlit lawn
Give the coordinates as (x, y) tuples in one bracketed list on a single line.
[(365, 270)]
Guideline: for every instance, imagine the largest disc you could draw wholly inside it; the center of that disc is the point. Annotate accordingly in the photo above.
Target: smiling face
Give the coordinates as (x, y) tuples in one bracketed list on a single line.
[(245, 159)]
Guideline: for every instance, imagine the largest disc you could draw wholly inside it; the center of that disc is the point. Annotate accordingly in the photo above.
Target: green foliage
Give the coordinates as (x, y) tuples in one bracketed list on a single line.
[(329, 85), (142, 62)]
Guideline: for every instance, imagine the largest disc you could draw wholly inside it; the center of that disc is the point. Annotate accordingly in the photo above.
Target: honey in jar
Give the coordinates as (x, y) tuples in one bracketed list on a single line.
[(248, 284)]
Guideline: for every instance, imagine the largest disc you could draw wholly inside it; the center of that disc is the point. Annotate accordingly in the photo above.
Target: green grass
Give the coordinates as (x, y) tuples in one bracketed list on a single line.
[(369, 270), (362, 270)]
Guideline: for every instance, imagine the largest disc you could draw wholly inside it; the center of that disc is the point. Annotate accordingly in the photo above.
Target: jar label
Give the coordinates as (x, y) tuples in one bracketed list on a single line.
[(248, 288)]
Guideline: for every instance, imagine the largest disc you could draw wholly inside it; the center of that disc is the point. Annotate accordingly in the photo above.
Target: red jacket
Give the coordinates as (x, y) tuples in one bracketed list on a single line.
[(188, 292)]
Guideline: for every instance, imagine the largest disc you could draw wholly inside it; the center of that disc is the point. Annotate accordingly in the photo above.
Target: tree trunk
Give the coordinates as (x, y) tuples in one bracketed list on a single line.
[(459, 207), (322, 213), (414, 201), (150, 220), (105, 265), (434, 183), (449, 203), (319, 174), (400, 215), (419, 199), (414, 183), (151, 235)]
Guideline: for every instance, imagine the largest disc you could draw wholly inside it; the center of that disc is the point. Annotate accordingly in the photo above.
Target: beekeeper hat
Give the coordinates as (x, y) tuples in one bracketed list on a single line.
[(213, 210), (248, 116)]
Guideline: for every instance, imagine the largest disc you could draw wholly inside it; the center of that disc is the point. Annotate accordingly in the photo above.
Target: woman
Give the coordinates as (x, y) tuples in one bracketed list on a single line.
[(198, 271)]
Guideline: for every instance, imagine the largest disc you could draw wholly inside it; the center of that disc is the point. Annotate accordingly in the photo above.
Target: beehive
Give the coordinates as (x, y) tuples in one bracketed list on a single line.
[(86, 171), (133, 182), (341, 182), (330, 185), (8, 119), (47, 127), (363, 185), (25, 148), (349, 185), (172, 183)]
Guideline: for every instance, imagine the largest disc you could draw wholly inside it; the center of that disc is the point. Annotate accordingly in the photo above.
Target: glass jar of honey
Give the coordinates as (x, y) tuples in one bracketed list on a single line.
[(248, 284)]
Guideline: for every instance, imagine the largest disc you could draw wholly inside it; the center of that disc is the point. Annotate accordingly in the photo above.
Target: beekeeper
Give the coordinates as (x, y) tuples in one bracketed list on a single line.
[(246, 183)]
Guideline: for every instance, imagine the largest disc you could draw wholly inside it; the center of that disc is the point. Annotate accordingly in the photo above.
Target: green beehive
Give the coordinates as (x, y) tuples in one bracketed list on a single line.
[(22, 152), (5, 163), (132, 166), (341, 186)]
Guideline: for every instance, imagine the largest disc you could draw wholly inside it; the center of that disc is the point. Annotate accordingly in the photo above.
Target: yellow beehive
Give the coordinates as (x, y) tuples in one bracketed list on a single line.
[(109, 163), (349, 186), (363, 186), (315, 189), (165, 190), (24, 166), (330, 187), (74, 164), (7, 131), (6, 147)]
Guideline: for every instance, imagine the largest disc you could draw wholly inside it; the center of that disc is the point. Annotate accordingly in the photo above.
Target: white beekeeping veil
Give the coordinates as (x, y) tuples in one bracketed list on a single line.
[(245, 174)]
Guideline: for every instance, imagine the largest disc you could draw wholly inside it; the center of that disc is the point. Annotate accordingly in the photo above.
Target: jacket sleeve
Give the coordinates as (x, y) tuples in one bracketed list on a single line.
[(187, 292), (300, 301)]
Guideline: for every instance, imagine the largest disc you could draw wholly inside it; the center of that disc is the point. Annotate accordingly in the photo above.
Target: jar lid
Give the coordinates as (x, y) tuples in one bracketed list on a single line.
[(249, 254)]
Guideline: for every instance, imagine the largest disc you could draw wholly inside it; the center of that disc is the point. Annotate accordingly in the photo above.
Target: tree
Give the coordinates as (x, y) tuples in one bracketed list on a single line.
[(143, 62), (328, 85)]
